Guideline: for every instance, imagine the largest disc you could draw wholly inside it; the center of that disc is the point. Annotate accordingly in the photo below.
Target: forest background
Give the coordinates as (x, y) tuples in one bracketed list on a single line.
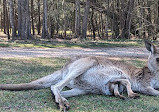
[(82, 19)]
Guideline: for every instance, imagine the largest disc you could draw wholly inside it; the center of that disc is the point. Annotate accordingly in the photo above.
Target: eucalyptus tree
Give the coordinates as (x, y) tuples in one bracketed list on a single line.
[(45, 33), (11, 11), (24, 27)]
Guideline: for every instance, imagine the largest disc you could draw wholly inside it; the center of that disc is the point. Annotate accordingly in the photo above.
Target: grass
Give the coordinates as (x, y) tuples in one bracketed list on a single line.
[(26, 70), (71, 44)]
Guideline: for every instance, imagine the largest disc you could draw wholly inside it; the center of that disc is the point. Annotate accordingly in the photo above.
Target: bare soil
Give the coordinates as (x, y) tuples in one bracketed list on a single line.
[(118, 52)]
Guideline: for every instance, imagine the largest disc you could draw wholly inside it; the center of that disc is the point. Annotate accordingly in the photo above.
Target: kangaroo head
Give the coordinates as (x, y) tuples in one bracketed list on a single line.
[(153, 60)]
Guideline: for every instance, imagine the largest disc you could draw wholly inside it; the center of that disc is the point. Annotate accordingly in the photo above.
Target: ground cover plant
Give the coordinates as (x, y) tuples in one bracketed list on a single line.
[(26, 70)]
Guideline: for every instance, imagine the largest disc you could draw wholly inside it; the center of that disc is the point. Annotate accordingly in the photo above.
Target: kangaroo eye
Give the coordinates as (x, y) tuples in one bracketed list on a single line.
[(157, 59)]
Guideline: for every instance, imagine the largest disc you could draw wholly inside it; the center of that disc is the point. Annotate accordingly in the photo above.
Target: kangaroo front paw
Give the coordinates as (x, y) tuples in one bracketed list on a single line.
[(134, 95)]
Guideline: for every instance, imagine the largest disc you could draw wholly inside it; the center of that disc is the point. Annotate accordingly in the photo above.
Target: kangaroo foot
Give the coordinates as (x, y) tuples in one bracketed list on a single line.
[(122, 97), (134, 95), (63, 104)]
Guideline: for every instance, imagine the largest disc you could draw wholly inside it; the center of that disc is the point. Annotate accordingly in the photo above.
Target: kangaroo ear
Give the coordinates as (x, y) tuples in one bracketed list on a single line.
[(150, 47)]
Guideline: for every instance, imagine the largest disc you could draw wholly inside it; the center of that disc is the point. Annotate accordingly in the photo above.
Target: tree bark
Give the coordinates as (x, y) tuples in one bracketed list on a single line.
[(11, 11), (64, 20), (1, 21), (77, 19), (157, 20), (92, 24), (16, 18), (85, 19), (45, 33), (32, 16), (57, 19), (106, 28), (7, 23), (24, 30), (52, 28), (39, 21), (125, 33), (4, 15), (19, 19), (65, 27), (102, 26)]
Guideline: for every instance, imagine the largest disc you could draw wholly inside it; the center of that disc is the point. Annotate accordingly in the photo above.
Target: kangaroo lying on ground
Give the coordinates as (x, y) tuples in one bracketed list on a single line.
[(98, 75)]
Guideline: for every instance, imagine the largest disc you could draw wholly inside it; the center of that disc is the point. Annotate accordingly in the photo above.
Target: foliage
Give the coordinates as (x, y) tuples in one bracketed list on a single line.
[(108, 19)]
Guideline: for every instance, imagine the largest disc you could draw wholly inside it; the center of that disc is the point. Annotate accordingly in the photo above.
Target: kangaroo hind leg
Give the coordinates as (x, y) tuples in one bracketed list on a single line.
[(74, 70), (73, 92), (114, 88), (127, 84)]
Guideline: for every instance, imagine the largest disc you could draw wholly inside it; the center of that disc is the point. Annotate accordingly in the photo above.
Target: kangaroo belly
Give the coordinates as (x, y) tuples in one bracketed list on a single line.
[(96, 79)]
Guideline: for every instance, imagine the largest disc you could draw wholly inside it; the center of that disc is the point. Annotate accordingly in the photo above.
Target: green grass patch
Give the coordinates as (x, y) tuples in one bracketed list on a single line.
[(4, 45), (72, 44), (26, 70)]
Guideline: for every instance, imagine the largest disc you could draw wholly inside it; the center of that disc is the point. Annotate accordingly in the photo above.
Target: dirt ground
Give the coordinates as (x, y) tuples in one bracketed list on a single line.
[(118, 52)]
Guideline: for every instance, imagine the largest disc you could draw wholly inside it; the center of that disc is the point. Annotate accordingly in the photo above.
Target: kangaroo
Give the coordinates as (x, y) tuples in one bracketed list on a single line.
[(98, 75)]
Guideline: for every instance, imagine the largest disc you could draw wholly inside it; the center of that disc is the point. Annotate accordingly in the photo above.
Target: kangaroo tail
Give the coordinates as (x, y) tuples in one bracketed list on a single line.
[(43, 82)]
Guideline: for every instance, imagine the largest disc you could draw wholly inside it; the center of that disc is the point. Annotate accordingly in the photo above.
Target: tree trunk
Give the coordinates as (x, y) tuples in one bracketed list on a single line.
[(19, 19), (39, 22), (77, 19), (92, 24), (16, 18), (157, 20), (1, 17), (64, 20), (32, 16), (122, 13), (4, 15), (52, 28), (85, 19), (125, 33), (7, 23), (115, 23), (24, 30), (1, 21), (65, 27), (102, 26), (11, 11), (45, 33), (28, 23), (97, 25)]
